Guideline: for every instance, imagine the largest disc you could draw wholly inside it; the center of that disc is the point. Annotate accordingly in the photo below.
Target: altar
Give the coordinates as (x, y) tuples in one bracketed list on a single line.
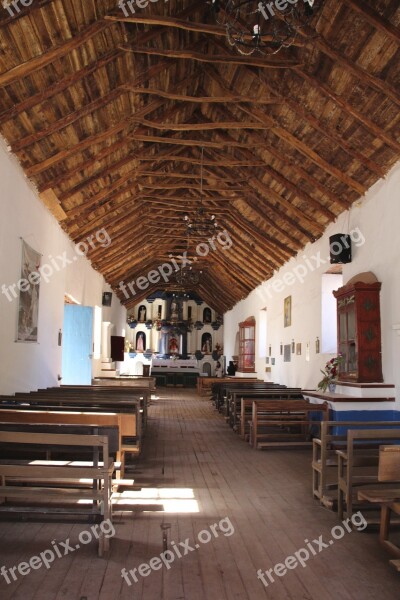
[(175, 372)]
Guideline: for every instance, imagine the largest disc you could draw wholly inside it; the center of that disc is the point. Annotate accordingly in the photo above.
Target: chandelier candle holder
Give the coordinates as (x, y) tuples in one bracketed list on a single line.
[(200, 225), (187, 276), (266, 27)]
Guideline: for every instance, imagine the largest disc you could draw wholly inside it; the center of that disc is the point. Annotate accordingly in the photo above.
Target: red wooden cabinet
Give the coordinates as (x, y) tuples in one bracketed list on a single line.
[(359, 332)]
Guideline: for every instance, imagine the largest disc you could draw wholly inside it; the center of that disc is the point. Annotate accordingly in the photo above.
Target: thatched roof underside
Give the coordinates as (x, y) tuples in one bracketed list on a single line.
[(107, 116)]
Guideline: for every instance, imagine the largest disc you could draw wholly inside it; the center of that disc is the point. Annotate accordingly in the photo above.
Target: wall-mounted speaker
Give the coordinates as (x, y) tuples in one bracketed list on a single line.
[(340, 248), (107, 298)]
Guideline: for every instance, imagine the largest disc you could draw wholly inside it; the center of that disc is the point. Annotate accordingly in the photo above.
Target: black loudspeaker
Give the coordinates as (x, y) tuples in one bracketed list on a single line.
[(107, 298), (340, 249)]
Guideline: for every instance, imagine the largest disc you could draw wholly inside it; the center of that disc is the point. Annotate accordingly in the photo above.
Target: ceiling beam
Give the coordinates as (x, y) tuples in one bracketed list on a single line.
[(59, 86), (360, 73), (201, 126), (39, 62), (375, 19), (230, 99), (324, 89), (68, 120), (213, 58), (192, 142)]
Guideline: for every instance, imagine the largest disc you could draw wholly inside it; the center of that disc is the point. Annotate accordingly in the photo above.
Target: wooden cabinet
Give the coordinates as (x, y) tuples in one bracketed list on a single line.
[(359, 332)]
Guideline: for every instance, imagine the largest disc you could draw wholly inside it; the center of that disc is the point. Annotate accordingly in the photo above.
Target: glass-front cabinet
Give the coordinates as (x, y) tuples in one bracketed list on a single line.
[(247, 346), (359, 332)]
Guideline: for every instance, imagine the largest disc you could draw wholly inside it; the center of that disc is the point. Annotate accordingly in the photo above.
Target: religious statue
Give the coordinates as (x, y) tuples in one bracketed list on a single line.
[(173, 346), (207, 346), (142, 314), (174, 309), (140, 343)]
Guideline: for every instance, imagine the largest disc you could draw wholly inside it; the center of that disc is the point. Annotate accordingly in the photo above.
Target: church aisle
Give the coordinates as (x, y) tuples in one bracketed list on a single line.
[(199, 484)]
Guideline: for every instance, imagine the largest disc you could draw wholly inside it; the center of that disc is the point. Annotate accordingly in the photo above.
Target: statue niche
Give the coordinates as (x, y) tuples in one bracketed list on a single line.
[(206, 343), (140, 341), (142, 314), (207, 315)]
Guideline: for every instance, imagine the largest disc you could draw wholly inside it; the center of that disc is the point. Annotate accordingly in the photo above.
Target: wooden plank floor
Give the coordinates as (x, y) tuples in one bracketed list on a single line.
[(195, 472)]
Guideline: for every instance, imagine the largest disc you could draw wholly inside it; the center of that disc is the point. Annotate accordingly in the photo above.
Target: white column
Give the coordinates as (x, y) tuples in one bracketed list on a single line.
[(105, 340)]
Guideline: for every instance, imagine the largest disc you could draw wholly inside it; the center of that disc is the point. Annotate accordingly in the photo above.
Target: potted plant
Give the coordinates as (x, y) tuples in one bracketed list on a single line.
[(330, 374)]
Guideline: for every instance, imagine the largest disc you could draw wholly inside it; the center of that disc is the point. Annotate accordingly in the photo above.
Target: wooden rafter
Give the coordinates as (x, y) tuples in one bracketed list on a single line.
[(213, 58)]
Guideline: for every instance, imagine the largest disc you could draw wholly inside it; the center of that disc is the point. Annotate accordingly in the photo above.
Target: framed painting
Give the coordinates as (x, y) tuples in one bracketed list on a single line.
[(287, 352), (287, 311)]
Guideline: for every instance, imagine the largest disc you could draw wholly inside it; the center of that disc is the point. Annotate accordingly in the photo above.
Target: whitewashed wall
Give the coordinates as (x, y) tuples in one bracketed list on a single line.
[(377, 217), (27, 366)]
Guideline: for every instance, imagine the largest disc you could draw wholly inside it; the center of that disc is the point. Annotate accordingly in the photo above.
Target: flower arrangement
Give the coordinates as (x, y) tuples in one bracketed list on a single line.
[(330, 372)]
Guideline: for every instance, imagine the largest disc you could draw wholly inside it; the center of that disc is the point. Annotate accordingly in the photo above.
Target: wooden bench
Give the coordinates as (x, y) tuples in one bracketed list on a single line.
[(356, 470), (219, 390), (273, 422), (96, 395), (325, 460), (125, 421), (388, 499), (17, 478), (245, 400), (234, 395)]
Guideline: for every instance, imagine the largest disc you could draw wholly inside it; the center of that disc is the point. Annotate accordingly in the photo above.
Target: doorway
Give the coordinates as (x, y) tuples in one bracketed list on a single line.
[(77, 345)]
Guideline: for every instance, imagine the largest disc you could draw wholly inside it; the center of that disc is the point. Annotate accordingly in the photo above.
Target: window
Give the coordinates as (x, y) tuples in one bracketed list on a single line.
[(247, 346), (330, 282), (262, 334)]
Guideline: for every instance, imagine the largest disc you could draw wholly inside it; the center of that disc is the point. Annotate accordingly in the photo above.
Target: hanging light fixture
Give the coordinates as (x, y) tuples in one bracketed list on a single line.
[(200, 224), (187, 276), (259, 25)]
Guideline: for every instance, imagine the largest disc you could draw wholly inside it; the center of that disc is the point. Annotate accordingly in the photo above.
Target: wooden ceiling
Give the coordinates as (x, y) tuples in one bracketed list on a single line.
[(108, 116)]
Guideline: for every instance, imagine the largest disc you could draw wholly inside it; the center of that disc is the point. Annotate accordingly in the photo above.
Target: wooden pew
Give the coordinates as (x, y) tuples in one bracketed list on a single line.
[(89, 398), (388, 499), (97, 394), (49, 471), (125, 421), (224, 389), (245, 399), (234, 394), (92, 399), (325, 459), (355, 471), (219, 389), (273, 422)]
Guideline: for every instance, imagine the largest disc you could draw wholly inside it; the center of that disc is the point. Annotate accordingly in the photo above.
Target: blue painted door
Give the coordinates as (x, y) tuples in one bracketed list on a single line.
[(77, 345)]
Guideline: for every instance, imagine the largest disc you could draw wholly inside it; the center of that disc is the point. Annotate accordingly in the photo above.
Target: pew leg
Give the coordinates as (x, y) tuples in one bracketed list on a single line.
[(385, 523)]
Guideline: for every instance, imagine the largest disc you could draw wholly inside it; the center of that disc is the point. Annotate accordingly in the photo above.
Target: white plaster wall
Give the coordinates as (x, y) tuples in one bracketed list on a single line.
[(27, 366), (377, 216)]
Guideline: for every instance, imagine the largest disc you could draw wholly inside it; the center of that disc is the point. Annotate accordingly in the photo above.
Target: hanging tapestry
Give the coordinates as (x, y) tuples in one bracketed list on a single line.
[(29, 286)]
